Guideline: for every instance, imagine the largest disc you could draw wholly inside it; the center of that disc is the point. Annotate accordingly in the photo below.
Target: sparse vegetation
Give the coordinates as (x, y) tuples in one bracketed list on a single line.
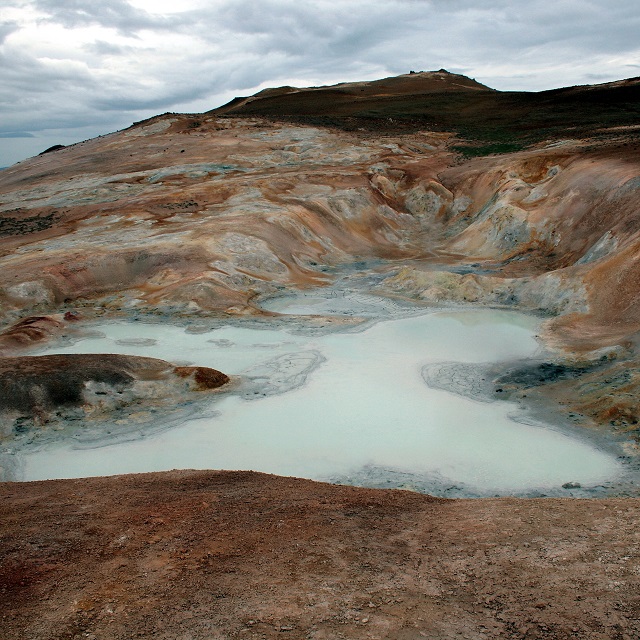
[(497, 148), (10, 226)]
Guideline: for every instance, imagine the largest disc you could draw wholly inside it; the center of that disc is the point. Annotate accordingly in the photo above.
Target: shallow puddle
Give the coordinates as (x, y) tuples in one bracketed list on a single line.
[(348, 406)]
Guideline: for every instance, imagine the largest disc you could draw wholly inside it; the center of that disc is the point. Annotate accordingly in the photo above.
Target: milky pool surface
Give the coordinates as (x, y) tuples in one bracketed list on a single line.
[(363, 413)]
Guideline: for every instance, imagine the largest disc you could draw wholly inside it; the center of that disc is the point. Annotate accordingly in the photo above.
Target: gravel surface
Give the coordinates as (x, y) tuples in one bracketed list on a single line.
[(195, 555)]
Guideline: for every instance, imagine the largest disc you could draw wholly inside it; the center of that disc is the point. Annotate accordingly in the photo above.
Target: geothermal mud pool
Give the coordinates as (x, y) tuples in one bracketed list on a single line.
[(346, 403)]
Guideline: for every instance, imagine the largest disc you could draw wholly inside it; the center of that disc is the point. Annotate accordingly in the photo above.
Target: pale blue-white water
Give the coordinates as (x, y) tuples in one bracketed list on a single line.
[(362, 411)]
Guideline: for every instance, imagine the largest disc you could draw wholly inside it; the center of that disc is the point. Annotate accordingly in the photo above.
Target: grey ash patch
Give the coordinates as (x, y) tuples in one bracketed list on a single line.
[(281, 374), (473, 381), (487, 382), (136, 342), (538, 373), (434, 484), (222, 343)]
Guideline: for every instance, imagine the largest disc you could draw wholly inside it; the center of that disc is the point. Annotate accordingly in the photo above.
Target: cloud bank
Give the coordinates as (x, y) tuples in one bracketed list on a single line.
[(75, 68)]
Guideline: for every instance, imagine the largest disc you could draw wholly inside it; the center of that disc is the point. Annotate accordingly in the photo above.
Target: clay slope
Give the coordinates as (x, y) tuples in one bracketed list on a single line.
[(201, 215)]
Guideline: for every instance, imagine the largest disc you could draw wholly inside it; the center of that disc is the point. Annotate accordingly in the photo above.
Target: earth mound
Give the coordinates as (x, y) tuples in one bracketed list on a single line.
[(37, 390), (203, 555)]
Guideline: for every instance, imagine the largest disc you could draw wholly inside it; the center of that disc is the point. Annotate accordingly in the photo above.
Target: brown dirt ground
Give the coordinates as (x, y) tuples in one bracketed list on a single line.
[(194, 555)]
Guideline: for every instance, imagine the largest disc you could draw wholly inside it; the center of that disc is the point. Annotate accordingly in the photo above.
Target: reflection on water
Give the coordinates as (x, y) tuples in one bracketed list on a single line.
[(361, 404)]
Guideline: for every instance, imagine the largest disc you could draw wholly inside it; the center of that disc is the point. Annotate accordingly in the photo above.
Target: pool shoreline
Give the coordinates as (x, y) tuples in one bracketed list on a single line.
[(527, 410)]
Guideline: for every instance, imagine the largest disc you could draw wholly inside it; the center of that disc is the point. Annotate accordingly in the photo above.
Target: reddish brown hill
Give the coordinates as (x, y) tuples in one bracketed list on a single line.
[(339, 98), (206, 556)]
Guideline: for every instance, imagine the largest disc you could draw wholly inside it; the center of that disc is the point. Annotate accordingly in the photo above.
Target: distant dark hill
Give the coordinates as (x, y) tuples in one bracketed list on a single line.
[(352, 98), (444, 101)]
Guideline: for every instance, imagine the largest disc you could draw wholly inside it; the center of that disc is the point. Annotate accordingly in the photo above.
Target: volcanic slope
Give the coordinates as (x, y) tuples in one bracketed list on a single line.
[(444, 101), (200, 215)]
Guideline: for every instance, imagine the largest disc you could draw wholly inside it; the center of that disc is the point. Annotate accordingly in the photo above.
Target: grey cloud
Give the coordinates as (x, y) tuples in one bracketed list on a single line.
[(269, 17), (317, 37), (596, 77), (103, 48), (6, 29), (124, 102), (299, 29), (274, 40), (116, 14), (29, 75), (16, 134), (592, 26), (37, 96)]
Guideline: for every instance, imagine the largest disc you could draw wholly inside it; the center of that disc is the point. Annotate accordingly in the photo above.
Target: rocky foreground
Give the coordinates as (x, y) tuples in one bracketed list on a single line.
[(428, 187), (216, 555)]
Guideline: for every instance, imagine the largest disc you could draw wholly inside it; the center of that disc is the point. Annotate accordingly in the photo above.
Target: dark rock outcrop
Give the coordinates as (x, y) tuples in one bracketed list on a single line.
[(38, 389)]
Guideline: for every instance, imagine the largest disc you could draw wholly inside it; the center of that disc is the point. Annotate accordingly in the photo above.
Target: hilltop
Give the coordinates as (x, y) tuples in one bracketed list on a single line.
[(443, 101)]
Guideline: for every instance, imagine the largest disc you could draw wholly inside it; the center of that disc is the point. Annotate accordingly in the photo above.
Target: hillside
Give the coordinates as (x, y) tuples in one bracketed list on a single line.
[(196, 215), (443, 101)]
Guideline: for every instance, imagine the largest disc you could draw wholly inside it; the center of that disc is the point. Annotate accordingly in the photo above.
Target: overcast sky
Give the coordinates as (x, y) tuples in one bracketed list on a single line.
[(73, 69)]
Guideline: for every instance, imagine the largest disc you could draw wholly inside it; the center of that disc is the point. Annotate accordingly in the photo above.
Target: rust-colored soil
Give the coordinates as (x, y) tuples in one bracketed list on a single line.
[(212, 555)]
